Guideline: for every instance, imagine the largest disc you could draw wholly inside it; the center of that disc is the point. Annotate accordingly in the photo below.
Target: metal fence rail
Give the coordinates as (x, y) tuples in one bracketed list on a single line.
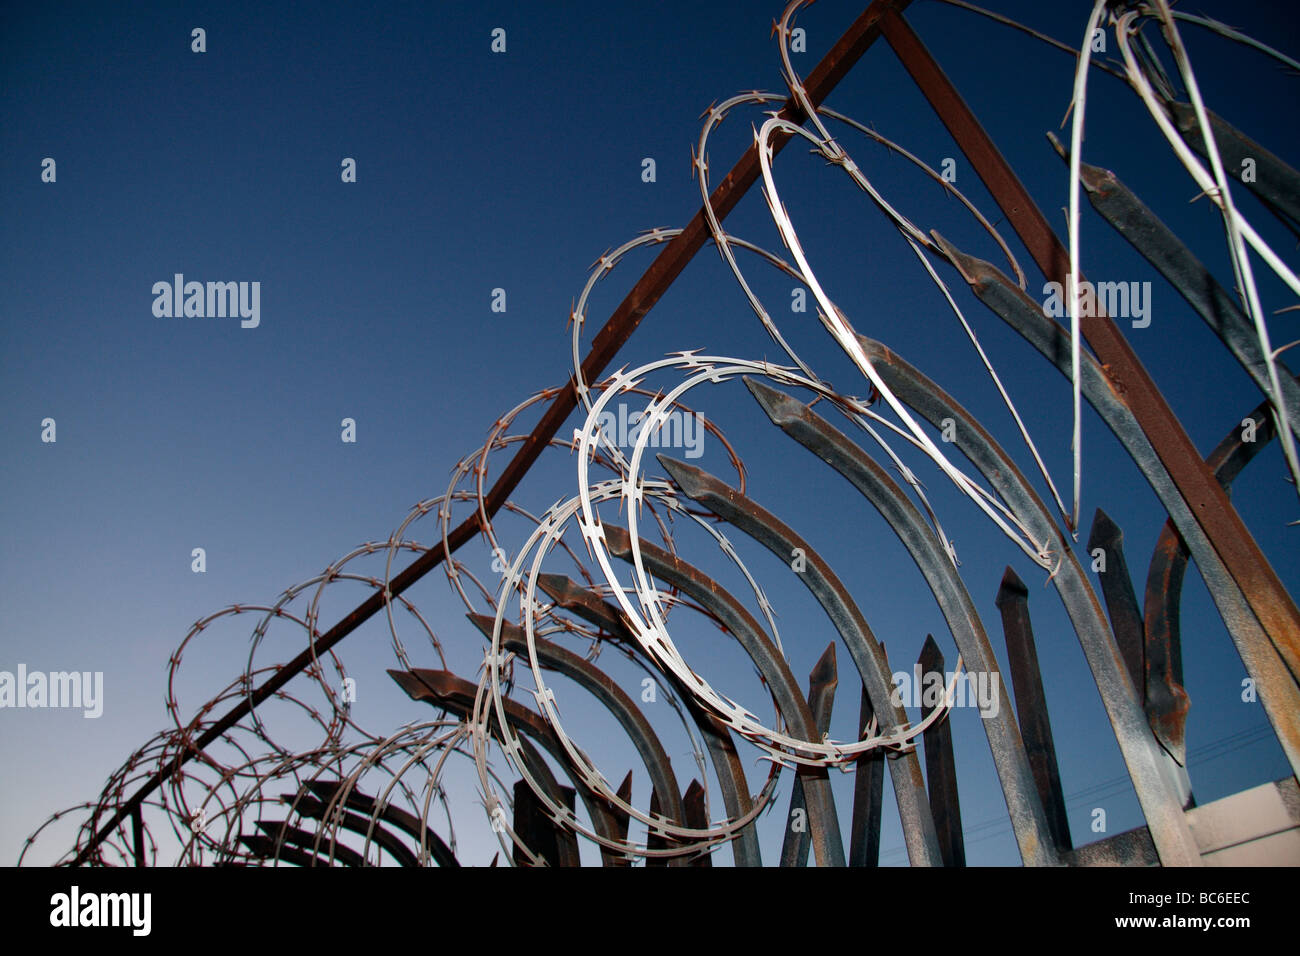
[(361, 798)]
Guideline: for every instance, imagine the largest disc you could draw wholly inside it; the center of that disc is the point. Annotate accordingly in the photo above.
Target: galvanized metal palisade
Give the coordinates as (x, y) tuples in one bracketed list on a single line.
[(1129, 633)]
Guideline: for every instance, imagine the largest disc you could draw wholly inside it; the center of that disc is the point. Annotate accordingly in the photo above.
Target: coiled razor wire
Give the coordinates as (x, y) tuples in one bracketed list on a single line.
[(230, 793)]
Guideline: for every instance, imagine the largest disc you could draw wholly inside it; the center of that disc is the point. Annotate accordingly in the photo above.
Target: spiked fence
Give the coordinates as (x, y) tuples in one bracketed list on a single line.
[(360, 798)]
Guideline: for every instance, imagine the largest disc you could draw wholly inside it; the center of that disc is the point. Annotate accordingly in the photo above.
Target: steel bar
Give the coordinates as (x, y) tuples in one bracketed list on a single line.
[(1204, 497), (822, 820), (313, 809), (1121, 599), (137, 836), (940, 765), (1031, 703), (1160, 246), (610, 695), (285, 835), (1274, 182), (404, 820), (266, 848), (622, 819), (538, 831), (833, 447), (717, 738), (868, 796), (1167, 701), (446, 690), (782, 540), (1263, 661), (566, 841), (1159, 790), (696, 817), (821, 698), (655, 839), (643, 296), (1127, 623)]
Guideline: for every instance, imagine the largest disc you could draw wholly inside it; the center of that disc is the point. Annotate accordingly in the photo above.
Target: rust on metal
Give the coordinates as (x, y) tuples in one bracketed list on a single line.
[(544, 836), (940, 765), (450, 692), (408, 823), (770, 531), (1031, 703), (1167, 701), (311, 808), (833, 447), (825, 835), (697, 816), (821, 699), (868, 795), (1205, 498), (1135, 655), (606, 690), (717, 738), (1121, 600), (622, 322)]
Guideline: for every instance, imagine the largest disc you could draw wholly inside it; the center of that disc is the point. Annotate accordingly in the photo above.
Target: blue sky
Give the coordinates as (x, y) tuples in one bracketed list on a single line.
[(478, 171)]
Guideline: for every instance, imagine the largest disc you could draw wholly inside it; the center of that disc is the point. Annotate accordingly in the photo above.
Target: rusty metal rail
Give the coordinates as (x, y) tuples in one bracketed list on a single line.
[(667, 266), (1134, 653), (1205, 498)]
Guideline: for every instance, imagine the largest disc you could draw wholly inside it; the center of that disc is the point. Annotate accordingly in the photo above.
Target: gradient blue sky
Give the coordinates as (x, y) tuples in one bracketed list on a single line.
[(478, 171)]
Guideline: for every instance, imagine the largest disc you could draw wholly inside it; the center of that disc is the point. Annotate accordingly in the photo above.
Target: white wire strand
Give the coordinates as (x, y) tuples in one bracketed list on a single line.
[(1217, 188), (1077, 104)]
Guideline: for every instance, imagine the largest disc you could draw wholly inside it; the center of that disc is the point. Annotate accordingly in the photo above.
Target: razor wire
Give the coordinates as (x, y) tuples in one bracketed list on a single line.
[(354, 783)]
